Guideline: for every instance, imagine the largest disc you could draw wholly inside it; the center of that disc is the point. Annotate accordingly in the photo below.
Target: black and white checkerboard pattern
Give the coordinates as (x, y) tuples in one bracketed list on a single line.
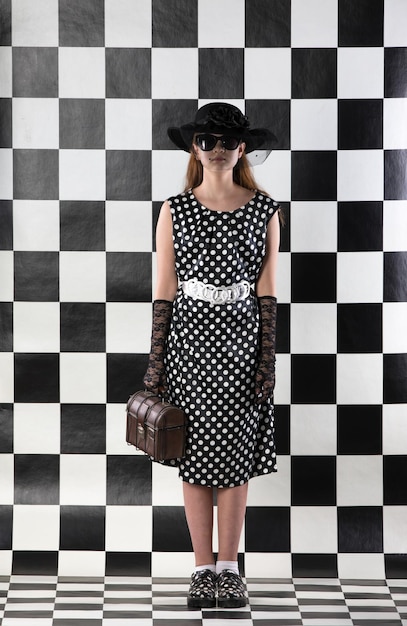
[(87, 89)]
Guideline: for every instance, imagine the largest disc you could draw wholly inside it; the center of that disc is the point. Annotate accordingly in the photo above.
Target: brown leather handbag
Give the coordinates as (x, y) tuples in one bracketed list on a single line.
[(155, 427)]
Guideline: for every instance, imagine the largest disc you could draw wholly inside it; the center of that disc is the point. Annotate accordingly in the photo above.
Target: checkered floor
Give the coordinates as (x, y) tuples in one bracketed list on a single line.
[(62, 601)]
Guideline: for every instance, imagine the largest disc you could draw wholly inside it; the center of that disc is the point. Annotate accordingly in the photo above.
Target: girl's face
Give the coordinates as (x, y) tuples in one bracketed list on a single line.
[(222, 154)]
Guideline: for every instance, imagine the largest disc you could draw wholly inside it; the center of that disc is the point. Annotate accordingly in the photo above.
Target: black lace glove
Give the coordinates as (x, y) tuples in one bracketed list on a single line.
[(265, 375), (155, 379)]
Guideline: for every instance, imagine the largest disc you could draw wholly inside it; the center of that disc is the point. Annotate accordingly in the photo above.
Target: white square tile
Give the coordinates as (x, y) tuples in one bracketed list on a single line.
[(314, 226), (36, 225), (313, 328), (73, 488), (272, 489), (128, 23), (313, 430), (83, 378), (6, 178), (166, 486), (81, 563), (395, 529), (128, 327), (274, 175), (261, 565), (168, 173), (35, 123), (274, 67), (6, 80), (360, 277), (314, 529), (394, 123), (363, 566), (314, 24), (34, 23), (394, 429), (81, 72), (6, 563), (6, 276), (360, 175), (6, 478), (314, 124), (82, 174), (394, 327), (172, 564), (174, 73), (6, 377), (129, 226), (128, 124), (35, 527), (359, 379), (227, 30), (359, 480), (360, 72), (395, 23), (121, 525), (82, 276), (116, 430), (37, 428), (282, 394), (394, 225)]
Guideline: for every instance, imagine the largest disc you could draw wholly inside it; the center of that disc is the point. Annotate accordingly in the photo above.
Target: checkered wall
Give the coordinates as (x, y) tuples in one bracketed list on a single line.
[(87, 89)]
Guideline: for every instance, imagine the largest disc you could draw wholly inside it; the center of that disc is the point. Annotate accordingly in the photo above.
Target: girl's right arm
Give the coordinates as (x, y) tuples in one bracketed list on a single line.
[(167, 281)]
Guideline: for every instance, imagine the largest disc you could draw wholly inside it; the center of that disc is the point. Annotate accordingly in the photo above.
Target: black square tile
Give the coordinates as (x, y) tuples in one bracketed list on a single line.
[(315, 565), (359, 328), (36, 479), (35, 563), (81, 123), (35, 72), (313, 277), (170, 18), (359, 429), (170, 531), (395, 174), (128, 276), (313, 378), (36, 377), (395, 72), (313, 481), (395, 565), (395, 480), (360, 124), (282, 428), (83, 327), (313, 72), (36, 174), (395, 378), (285, 227), (6, 221), (272, 114), (83, 429), (82, 225), (395, 272), (360, 226), (5, 123), (361, 22), (6, 428), (128, 175), (360, 529), (227, 82), (268, 24), (5, 23), (6, 527), (128, 72), (81, 23), (125, 374), (313, 175), (82, 528), (129, 480), (128, 564), (267, 529), (36, 276), (6, 327), (168, 113), (283, 329), (156, 212)]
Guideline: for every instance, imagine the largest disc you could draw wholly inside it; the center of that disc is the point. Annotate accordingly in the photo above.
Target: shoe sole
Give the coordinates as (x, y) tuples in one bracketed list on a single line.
[(201, 603), (231, 603)]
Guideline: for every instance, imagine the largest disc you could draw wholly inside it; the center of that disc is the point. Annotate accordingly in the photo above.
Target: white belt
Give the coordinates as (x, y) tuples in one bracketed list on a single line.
[(215, 295)]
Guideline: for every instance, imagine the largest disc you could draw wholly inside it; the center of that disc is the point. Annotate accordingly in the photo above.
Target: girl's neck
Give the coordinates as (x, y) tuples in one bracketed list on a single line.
[(219, 185)]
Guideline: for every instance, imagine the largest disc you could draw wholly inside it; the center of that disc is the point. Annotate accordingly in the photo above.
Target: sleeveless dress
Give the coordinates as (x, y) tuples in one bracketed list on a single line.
[(212, 349)]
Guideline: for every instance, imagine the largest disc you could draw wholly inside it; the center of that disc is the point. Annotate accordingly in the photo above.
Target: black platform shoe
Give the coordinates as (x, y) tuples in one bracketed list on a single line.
[(202, 591), (231, 590)]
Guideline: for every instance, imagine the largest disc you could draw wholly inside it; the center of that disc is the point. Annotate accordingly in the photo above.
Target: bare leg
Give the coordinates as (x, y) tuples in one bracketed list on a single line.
[(198, 502), (231, 512)]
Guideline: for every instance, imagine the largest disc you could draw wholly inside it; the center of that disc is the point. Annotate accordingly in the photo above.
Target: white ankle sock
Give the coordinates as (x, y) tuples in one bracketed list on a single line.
[(200, 568), (232, 565)]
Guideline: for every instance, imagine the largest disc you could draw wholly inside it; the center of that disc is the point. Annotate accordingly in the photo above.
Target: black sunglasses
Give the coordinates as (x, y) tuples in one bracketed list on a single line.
[(208, 142)]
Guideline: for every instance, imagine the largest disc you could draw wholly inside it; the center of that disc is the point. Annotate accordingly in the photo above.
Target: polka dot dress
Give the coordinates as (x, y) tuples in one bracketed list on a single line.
[(212, 349)]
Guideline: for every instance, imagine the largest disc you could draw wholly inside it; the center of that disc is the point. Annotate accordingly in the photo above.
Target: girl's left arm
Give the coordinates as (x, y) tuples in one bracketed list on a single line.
[(266, 284)]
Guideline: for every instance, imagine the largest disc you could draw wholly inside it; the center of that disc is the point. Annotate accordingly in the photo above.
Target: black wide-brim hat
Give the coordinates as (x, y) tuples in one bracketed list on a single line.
[(226, 119)]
